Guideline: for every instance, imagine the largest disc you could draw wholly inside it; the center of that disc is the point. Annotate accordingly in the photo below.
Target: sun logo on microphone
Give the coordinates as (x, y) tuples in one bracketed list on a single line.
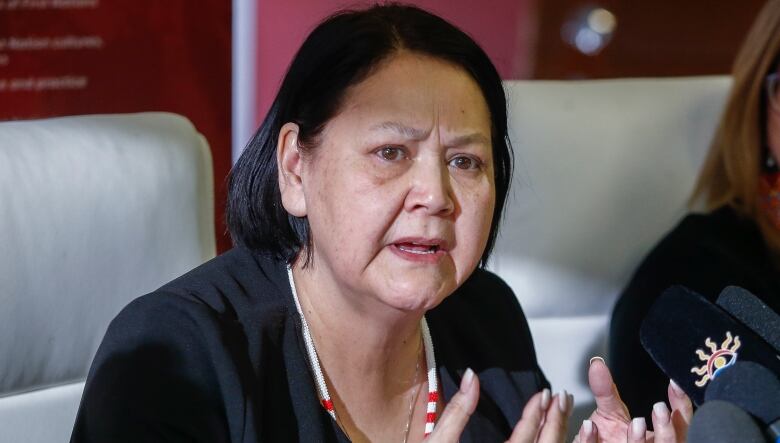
[(719, 360)]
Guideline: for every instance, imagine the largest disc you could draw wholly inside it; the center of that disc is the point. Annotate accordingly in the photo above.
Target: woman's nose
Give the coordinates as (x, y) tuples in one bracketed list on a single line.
[(431, 190)]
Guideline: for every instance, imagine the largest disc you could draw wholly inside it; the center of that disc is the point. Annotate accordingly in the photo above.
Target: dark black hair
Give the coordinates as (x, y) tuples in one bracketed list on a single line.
[(341, 52)]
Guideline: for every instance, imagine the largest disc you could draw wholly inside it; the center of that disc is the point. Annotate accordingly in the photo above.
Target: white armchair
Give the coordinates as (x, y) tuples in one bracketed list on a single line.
[(94, 211), (603, 170)]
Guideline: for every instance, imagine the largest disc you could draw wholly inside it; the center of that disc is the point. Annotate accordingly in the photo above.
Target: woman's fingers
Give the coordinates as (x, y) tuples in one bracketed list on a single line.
[(544, 419), (608, 402), (682, 410), (588, 433), (663, 427), (680, 425), (458, 410), (679, 401), (528, 427), (556, 419), (636, 431)]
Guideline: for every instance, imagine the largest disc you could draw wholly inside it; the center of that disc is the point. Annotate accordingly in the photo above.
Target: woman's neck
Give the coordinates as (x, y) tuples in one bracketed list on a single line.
[(370, 353)]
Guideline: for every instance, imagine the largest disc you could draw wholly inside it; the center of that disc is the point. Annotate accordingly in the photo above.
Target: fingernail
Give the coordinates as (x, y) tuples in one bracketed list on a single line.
[(594, 358), (545, 399), (587, 428), (661, 412), (563, 398), (467, 380), (676, 388), (638, 428)]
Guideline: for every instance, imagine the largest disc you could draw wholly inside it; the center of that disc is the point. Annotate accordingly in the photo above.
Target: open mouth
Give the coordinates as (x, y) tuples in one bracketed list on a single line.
[(429, 250), (416, 248)]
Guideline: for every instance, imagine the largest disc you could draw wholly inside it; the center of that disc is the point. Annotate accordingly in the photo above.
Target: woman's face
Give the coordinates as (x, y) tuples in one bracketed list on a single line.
[(400, 192)]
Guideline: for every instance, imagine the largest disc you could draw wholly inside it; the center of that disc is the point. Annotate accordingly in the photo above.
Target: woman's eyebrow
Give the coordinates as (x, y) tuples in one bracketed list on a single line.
[(400, 128), (422, 134), (475, 138)]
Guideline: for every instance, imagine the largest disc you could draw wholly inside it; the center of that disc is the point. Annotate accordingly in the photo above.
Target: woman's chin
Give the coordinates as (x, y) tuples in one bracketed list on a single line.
[(416, 298)]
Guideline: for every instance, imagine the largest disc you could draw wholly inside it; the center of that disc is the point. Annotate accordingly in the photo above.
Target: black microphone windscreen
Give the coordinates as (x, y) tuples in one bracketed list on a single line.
[(692, 340), (722, 422), (750, 386), (753, 313)]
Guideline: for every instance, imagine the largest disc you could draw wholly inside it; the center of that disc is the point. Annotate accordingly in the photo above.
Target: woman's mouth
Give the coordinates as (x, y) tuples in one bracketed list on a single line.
[(422, 251), (418, 249)]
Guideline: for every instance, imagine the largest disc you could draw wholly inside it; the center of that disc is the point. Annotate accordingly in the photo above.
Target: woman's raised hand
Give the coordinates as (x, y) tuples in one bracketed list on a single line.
[(611, 422), (544, 417)]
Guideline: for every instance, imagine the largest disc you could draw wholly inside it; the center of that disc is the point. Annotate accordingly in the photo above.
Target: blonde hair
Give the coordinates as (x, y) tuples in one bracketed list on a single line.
[(731, 172)]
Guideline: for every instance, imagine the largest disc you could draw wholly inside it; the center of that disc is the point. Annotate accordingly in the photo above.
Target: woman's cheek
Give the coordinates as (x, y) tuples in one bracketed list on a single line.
[(478, 201), (476, 193), (381, 173)]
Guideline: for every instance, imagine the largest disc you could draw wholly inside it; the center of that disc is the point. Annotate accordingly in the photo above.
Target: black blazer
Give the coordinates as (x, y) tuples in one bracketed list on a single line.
[(218, 355)]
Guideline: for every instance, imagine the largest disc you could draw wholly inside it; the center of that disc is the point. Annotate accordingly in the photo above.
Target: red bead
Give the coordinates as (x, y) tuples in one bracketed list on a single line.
[(430, 417), (328, 404), (433, 396)]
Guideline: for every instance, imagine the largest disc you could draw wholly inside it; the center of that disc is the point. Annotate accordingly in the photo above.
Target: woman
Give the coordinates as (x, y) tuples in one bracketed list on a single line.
[(737, 242), (353, 305)]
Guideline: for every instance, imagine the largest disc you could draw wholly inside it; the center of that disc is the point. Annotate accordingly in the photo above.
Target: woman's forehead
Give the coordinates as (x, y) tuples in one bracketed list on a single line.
[(412, 92)]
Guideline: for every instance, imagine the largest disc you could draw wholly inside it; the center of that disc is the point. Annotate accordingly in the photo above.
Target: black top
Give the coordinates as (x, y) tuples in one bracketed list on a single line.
[(218, 355), (705, 253)]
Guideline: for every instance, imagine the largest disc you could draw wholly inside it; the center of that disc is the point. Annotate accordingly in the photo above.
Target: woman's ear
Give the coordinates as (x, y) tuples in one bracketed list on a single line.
[(290, 164)]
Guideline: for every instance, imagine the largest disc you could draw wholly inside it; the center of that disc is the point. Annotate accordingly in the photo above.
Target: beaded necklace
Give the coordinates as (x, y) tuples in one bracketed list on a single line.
[(319, 378)]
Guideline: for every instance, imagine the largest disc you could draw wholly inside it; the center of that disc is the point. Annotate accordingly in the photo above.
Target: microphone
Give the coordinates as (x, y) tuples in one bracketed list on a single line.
[(754, 389), (721, 422), (753, 313), (693, 341)]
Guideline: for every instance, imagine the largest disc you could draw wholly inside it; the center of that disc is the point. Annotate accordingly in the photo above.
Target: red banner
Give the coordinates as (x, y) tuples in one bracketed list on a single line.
[(68, 57)]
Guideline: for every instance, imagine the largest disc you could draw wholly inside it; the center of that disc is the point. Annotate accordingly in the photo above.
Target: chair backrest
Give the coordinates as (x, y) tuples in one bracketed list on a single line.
[(94, 211), (603, 168)]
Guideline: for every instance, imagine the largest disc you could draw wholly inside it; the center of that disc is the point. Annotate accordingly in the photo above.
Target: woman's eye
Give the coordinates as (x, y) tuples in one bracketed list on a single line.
[(462, 162), (391, 153)]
